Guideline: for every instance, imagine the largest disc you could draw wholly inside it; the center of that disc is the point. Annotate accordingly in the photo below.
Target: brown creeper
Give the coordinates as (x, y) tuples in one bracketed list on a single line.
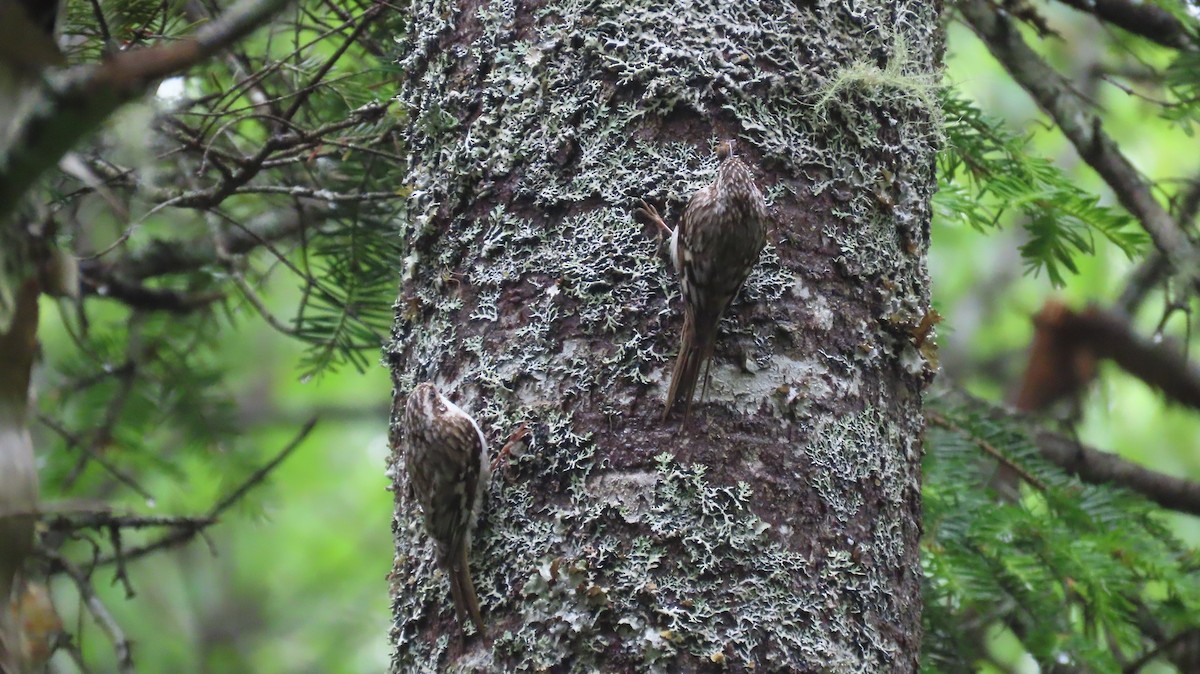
[(720, 234), (448, 472)]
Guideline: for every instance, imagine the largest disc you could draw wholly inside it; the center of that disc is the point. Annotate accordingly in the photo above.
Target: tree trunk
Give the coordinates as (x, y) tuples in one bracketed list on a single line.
[(777, 529)]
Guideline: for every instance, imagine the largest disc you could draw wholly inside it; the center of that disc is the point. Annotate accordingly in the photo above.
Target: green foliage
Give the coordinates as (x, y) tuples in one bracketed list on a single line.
[(988, 175), (1182, 81), (144, 382), (164, 391), (350, 283), (1069, 567), (138, 394)]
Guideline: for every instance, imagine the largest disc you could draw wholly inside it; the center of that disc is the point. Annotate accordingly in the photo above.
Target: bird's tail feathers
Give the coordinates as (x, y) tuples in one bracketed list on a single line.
[(462, 591), (695, 350)]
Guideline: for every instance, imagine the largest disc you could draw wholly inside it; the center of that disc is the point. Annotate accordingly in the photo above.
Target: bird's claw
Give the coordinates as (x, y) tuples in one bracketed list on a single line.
[(650, 213)]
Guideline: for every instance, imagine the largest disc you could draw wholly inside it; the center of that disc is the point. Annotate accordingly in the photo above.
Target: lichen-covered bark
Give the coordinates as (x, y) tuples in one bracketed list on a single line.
[(778, 529)]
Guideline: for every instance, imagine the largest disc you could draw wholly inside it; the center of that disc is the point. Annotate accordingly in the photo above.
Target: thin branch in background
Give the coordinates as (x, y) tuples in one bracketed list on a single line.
[(1097, 467), (194, 200), (73, 165), (259, 475), (116, 243), (99, 612), (239, 63), (1151, 271), (260, 307), (1189, 202), (110, 46), (1130, 91), (122, 573), (103, 435), (184, 534), (364, 21), (76, 656), (225, 255), (102, 518), (179, 257), (74, 441)]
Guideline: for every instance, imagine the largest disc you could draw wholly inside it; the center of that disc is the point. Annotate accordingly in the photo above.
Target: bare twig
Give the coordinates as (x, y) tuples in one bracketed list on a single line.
[(259, 475), (262, 309), (1149, 273), (99, 611), (184, 534), (92, 455), (85, 96), (364, 21), (162, 257), (103, 519), (1153, 268), (110, 46)]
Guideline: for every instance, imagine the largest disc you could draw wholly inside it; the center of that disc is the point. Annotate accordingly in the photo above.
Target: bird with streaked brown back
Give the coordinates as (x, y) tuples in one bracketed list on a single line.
[(720, 235), (446, 457)]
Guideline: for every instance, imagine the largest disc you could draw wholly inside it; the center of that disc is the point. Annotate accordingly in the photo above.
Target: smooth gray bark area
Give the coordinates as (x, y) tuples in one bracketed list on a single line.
[(778, 529)]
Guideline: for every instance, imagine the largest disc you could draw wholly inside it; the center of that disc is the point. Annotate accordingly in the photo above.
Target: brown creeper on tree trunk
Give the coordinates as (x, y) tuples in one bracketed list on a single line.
[(720, 234), (447, 460)]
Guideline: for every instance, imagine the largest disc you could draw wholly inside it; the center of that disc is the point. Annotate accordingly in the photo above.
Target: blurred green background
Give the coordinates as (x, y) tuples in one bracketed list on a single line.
[(979, 281), (294, 577)]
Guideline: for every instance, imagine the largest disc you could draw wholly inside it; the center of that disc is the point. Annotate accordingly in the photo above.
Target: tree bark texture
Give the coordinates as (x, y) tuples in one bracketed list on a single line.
[(777, 530)]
